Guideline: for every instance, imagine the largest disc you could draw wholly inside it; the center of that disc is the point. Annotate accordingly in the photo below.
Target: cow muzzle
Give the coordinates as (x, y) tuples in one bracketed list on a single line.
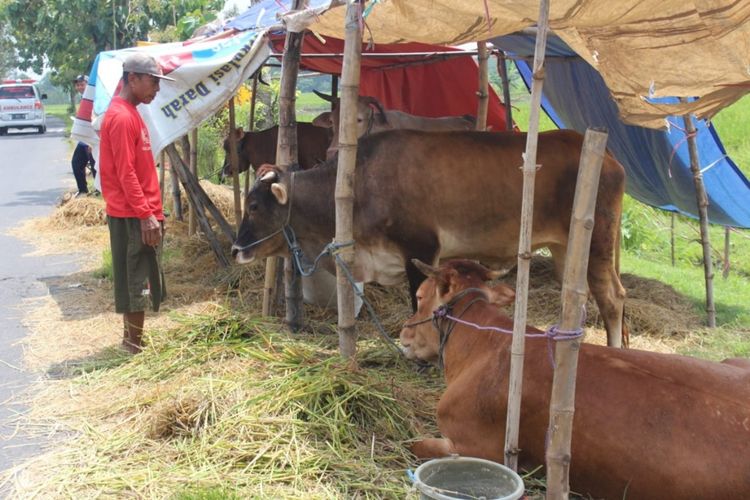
[(242, 255)]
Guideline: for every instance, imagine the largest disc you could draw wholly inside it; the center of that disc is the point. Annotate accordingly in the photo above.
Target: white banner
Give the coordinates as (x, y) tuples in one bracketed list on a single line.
[(207, 73)]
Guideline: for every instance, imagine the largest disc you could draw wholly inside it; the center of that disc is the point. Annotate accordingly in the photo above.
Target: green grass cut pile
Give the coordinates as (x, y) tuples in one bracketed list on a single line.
[(225, 407)]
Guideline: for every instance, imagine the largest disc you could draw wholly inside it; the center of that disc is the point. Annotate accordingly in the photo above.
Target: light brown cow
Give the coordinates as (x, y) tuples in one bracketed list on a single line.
[(646, 425), (372, 118)]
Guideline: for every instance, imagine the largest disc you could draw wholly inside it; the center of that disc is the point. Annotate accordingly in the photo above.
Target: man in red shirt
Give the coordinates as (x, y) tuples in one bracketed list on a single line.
[(130, 187)]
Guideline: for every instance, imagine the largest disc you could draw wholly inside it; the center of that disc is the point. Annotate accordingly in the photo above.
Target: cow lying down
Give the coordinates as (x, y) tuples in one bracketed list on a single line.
[(441, 195), (646, 425)]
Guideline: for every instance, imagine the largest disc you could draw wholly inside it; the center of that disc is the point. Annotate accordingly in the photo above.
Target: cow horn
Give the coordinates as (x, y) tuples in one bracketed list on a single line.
[(325, 97), (270, 175), (493, 275), (426, 269)]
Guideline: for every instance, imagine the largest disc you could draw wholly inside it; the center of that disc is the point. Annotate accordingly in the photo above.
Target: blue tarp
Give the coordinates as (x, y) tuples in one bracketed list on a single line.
[(657, 162)]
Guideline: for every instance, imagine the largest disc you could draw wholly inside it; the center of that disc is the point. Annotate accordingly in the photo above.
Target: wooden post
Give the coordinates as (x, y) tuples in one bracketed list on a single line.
[(725, 271), (234, 162), (503, 70), (524, 245), (162, 167), (176, 200), (251, 124), (482, 92), (671, 237), (194, 169), (702, 198), (334, 88), (344, 194), (574, 295), (286, 156)]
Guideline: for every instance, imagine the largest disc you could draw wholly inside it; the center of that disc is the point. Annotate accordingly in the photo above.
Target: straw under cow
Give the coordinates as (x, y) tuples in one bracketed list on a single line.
[(439, 195), (646, 425)]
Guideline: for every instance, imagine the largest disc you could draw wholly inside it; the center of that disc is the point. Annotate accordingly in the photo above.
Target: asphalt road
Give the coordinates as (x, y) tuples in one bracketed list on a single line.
[(35, 173)]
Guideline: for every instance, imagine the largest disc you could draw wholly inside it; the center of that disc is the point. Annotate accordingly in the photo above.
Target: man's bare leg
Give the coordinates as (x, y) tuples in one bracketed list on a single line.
[(133, 331)]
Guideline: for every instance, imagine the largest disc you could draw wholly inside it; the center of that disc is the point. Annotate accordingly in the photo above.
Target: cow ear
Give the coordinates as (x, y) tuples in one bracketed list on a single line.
[(323, 120), (501, 294), (377, 110), (279, 191), (239, 133), (426, 269)]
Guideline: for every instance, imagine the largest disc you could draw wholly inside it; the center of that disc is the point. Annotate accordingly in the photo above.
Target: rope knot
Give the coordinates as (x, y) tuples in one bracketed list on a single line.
[(441, 312), (555, 333)]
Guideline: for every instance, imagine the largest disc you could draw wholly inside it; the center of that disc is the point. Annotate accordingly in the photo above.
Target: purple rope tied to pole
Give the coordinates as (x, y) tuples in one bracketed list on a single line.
[(552, 333)]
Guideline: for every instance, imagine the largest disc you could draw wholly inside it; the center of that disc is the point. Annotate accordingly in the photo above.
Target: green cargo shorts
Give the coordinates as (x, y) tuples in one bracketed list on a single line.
[(136, 267)]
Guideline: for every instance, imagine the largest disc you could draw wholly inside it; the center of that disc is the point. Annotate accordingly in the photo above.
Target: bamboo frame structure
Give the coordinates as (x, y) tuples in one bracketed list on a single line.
[(192, 222), (234, 162), (344, 193), (725, 270), (524, 246), (574, 295), (176, 197), (286, 156), (202, 202), (702, 201), (483, 91), (162, 167), (503, 71)]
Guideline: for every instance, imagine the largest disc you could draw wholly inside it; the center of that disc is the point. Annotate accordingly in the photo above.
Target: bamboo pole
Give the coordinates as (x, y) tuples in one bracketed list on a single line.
[(286, 156), (234, 162), (194, 189), (482, 92), (251, 124), (702, 199), (725, 270), (671, 237), (162, 167), (503, 70), (194, 169), (344, 194), (176, 199), (574, 295), (180, 170), (524, 245)]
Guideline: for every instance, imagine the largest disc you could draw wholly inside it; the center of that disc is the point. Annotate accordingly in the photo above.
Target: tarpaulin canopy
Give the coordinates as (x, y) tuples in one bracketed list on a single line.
[(657, 162), (642, 48), (426, 85)]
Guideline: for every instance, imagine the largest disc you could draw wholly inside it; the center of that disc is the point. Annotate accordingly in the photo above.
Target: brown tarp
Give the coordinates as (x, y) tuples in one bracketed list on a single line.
[(642, 48)]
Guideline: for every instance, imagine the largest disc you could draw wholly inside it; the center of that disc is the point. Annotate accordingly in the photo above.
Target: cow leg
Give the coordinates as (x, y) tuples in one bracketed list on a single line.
[(433, 448), (605, 286), (558, 257)]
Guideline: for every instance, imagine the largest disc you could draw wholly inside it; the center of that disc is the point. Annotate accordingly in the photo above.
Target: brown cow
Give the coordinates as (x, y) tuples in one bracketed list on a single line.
[(257, 148), (433, 195), (372, 118), (646, 425)]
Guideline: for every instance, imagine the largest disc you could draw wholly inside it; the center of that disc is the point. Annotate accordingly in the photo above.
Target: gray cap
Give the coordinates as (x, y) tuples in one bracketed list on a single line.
[(139, 62)]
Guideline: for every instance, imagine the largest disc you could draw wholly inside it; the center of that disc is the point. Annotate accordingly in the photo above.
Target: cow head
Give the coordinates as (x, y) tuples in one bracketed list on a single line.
[(419, 338), (266, 213), (371, 118), (226, 169)]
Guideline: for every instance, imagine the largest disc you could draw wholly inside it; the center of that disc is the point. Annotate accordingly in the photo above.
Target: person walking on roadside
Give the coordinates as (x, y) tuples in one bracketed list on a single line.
[(130, 187), (82, 155)]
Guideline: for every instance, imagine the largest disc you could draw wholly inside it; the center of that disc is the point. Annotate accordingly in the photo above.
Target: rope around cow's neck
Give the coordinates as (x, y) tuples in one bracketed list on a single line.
[(442, 313)]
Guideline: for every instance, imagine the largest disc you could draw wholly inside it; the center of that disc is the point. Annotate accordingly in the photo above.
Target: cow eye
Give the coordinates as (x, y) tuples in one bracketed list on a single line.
[(253, 206)]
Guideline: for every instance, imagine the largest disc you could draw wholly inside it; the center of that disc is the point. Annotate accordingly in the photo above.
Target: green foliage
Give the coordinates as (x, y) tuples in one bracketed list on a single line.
[(105, 272), (66, 35), (732, 124), (7, 52)]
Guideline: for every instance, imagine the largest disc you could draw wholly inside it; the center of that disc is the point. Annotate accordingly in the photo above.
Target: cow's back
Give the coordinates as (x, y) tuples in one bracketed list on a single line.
[(467, 187)]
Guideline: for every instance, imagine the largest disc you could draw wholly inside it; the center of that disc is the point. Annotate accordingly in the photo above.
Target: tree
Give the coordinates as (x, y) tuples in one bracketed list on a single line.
[(7, 52), (66, 35)]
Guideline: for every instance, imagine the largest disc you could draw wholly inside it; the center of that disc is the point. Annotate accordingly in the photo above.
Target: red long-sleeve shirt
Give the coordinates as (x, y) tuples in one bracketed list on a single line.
[(130, 184)]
